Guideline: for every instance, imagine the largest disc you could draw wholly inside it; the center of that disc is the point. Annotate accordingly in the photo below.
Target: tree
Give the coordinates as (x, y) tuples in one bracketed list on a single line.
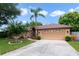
[(72, 19), (27, 24), (8, 11), (32, 24), (36, 13), (15, 28)]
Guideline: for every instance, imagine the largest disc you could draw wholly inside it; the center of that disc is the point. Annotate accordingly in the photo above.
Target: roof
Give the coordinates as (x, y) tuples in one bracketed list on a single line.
[(52, 26)]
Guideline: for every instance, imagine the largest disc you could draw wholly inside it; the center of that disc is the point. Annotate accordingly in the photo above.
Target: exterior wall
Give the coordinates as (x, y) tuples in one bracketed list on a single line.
[(54, 33)]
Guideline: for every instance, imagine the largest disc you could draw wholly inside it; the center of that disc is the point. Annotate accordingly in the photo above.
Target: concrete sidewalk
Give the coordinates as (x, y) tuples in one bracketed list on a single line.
[(45, 48)]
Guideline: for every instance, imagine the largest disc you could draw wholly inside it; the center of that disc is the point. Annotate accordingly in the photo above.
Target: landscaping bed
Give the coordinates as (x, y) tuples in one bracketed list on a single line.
[(74, 44), (5, 47)]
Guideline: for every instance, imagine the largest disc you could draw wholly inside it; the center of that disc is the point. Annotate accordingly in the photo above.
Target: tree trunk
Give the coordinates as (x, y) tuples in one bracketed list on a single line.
[(35, 25), (36, 21)]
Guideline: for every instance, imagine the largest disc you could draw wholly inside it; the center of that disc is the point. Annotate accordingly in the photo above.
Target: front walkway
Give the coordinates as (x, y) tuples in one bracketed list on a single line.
[(45, 48)]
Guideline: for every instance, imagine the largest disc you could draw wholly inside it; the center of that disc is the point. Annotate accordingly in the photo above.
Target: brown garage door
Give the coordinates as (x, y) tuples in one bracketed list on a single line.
[(53, 35)]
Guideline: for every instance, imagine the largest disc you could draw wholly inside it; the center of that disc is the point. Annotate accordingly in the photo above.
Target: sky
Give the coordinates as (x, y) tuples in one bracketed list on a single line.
[(52, 11)]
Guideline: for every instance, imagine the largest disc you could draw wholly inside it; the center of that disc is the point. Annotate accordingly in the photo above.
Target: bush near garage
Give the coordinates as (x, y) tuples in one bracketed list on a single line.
[(74, 37), (68, 38), (38, 37)]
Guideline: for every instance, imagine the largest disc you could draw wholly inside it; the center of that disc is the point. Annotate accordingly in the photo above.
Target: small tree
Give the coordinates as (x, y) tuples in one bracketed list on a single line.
[(15, 28)]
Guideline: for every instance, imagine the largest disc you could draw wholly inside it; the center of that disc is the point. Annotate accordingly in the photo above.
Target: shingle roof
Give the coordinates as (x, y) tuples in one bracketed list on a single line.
[(53, 26)]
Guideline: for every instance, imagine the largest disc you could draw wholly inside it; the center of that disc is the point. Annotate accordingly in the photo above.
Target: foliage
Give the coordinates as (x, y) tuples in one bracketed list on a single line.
[(38, 37), (72, 19), (68, 38), (35, 14), (74, 37), (3, 34), (15, 28), (8, 11), (32, 24), (27, 24)]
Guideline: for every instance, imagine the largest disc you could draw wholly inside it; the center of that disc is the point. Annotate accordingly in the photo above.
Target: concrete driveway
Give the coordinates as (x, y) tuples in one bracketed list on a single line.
[(45, 48)]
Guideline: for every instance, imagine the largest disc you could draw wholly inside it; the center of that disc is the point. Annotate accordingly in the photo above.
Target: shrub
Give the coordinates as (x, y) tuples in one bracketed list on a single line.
[(68, 38), (74, 38), (3, 34), (38, 37), (15, 28)]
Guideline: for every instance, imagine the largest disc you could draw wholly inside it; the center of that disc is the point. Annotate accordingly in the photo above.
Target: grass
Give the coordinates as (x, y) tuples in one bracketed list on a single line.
[(75, 45), (5, 47)]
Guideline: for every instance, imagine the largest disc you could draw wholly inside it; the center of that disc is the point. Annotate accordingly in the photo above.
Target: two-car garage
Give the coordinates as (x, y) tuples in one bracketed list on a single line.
[(53, 31)]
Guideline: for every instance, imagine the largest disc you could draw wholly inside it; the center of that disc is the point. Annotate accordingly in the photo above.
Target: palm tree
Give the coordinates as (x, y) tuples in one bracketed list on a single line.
[(35, 14)]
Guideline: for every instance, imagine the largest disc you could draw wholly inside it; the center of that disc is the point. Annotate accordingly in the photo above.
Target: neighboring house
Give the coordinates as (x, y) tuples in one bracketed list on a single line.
[(52, 31)]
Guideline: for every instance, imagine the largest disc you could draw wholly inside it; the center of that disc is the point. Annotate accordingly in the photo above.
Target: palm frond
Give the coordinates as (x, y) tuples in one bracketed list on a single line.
[(39, 9), (41, 15), (36, 10), (32, 10), (31, 17)]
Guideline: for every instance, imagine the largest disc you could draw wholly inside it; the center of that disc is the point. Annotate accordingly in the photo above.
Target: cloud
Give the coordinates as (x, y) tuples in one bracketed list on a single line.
[(24, 21), (71, 10), (57, 13), (74, 9), (43, 12), (24, 11), (77, 9)]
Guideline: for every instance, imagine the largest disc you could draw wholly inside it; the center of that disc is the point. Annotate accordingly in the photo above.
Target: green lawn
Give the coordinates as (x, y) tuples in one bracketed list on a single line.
[(75, 45), (5, 47)]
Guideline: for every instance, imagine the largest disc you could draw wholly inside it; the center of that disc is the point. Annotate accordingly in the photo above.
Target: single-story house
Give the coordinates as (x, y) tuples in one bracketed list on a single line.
[(51, 31)]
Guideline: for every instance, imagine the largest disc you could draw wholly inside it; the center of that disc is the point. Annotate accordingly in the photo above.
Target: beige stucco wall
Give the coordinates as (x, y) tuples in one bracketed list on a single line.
[(54, 34)]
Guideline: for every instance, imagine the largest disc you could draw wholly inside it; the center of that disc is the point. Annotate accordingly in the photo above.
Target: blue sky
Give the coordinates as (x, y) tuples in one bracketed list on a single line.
[(52, 11)]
